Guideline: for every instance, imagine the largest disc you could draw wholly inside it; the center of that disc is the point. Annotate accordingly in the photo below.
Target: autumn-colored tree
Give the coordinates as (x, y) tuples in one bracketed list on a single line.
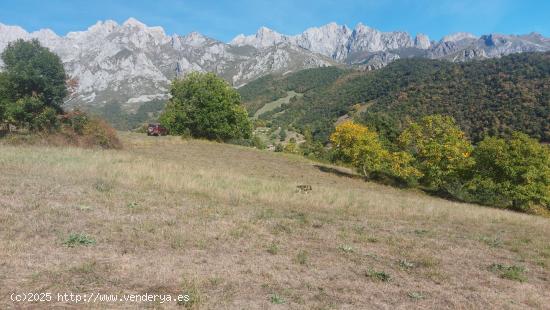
[(360, 146), (291, 147), (440, 148)]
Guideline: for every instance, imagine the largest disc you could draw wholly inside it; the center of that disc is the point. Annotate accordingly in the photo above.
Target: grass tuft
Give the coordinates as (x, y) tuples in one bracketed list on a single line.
[(512, 272), (79, 240), (378, 275), (276, 299)]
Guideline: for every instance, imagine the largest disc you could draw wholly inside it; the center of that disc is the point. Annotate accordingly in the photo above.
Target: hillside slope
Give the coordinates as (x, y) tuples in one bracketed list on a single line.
[(226, 225), (491, 96)]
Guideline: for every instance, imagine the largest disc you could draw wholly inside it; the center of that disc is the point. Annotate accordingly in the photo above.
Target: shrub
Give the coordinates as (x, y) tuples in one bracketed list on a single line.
[(97, 132), (440, 150), (32, 114), (206, 106), (282, 134), (74, 128), (279, 147), (512, 173), (291, 147)]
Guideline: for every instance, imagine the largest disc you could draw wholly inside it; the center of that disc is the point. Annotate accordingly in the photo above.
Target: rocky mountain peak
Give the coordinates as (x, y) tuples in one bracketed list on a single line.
[(360, 28), (104, 26), (422, 41), (459, 36), (263, 38), (195, 39), (134, 23), (133, 63)]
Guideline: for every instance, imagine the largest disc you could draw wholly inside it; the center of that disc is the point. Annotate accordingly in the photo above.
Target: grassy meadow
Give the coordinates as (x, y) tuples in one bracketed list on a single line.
[(226, 225)]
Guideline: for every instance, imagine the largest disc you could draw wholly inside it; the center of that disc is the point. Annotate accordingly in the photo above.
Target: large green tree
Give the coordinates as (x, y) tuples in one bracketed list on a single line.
[(205, 106), (513, 172), (32, 85)]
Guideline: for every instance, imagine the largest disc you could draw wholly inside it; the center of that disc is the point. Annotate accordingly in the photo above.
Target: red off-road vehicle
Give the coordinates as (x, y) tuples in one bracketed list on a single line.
[(156, 130)]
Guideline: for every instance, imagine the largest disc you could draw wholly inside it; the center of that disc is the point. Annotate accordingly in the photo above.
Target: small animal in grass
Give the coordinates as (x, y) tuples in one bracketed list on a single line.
[(304, 189)]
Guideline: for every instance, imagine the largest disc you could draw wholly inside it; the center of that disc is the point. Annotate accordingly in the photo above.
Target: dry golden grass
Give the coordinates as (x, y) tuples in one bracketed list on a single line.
[(226, 225)]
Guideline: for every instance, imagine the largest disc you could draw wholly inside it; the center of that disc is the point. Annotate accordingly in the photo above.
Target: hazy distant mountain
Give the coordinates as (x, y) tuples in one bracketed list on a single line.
[(133, 63), (373, 48)]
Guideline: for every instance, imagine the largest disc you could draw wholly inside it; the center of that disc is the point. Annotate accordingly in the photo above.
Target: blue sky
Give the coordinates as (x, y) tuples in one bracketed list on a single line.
[(225, 19)]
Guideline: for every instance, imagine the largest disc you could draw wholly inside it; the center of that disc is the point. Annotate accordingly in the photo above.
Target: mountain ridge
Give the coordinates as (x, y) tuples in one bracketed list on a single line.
[(131, 63), (486, 97)]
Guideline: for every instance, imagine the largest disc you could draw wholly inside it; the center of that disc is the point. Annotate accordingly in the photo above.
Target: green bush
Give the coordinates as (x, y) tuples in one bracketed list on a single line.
[(511, 173), (32, 86), (207, 107)]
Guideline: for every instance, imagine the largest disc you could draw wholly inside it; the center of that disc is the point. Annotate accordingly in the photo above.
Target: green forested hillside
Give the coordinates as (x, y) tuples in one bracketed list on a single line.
[(493, 96), (124, 120)]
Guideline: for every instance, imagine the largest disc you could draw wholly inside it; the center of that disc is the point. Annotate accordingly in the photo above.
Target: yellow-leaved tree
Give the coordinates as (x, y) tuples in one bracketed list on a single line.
[(440, 148), (361, 147)]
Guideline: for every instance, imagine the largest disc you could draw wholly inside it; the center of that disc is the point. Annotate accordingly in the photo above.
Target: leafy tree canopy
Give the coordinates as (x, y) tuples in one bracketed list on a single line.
[(205, 106), (32, 86), (440, 149), (32, 70), (513, 172)]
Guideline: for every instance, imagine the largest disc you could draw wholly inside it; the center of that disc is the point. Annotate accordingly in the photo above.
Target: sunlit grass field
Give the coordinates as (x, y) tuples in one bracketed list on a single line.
[(226, 225)]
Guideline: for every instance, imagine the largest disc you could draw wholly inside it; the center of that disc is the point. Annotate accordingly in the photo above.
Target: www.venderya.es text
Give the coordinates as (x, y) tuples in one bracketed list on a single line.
[(79, 298)]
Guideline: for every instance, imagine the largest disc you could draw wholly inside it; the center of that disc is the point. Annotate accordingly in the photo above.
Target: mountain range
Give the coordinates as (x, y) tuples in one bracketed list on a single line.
[(132, 63)]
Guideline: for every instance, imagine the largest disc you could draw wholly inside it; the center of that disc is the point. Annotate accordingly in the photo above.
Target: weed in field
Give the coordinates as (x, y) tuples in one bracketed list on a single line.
[(178, 242), (103, 186), (273, 248), (416, 295), (215, 281), (240, 231), (359, 229), (85, 268), (378, 275), (421, 232), (513, 272), (83, 207), (372, 239), (300, 217), (317, 224), (132, 205), (281, 228), (276, 299), (492, 242), (191, 288), (346, 248), (372, 255), (265, 214), (406, 265), (79, 240), (301, 258)]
